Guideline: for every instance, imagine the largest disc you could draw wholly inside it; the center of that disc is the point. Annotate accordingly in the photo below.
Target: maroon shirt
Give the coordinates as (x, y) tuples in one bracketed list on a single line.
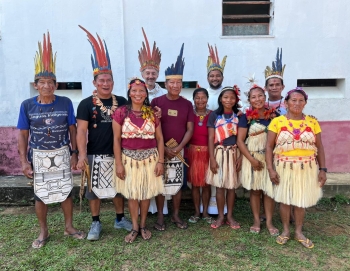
[(175, 115)]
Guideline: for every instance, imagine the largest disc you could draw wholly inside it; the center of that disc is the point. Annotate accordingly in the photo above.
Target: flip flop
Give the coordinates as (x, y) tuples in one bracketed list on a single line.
[(193, 219), (77, 235), (234, 226), (144, 230), (306, 243), (133, 234), (181, 225), (254, 230), (282, 240), (215, 226), (274, 232), (40, 243), (208, 219), (159, 227)]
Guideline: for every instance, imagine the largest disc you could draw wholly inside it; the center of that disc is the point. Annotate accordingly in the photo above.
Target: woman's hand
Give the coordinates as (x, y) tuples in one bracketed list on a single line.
[(159, 169), (120, 171), (239, 164), (214, 166), (81, 163), (27, 170), (257, 165), (274, 176), (171, 152), (74, 161), (158, 112), (322, 178)]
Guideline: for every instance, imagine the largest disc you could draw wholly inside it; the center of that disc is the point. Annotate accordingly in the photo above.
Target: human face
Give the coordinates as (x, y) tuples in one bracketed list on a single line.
[(46, 87), (228, 100), (200, 101), (215, 79), (257, 98), (295, 103), (174, 87), (104, 85), (150, 76), (274, 89), (138, 94)]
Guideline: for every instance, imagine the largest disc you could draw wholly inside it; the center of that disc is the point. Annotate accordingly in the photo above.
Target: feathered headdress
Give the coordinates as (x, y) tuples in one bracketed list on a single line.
[(44, 62), (213, 62), (277, 69), (176, 72), (147, 58), (100, 60)]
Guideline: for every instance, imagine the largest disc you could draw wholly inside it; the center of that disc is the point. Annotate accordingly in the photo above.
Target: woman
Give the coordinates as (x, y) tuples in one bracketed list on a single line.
[(296, 163), (198, 156), (139, 156), (251, 141), (224, 165)]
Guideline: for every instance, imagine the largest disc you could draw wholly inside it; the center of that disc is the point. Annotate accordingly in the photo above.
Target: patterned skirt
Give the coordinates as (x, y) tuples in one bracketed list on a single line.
[(140, 181), (298, 181), (226, 176), (198, 158)]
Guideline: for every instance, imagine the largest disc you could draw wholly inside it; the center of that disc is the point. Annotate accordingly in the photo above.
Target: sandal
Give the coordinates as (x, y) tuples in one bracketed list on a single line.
[(234, 226), (159, 227), (193, 219), (40, 243), (254, 229), (306, 243), (208, 219), (214, 225), (181, 225), (273, 232), (77, 235), (133, 234), (282, 240), (144, 231)]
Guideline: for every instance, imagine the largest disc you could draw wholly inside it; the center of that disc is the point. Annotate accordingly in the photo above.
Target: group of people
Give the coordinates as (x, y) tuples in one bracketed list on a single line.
[(143, 148)]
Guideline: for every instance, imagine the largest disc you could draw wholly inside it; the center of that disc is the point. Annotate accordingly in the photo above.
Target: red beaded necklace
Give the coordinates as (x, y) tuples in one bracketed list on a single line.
[(297, 130)]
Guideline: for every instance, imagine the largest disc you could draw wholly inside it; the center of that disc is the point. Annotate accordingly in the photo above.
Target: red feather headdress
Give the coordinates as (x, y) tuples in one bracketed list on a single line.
[(147, 58)]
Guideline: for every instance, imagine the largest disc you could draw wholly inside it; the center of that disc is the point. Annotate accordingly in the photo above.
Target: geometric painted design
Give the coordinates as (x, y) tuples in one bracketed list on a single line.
[(53, 180), (173, 176)]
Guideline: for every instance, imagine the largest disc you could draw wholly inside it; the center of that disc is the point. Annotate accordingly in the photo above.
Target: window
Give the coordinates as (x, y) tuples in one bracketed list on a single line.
[(244, 18), (317, 82)]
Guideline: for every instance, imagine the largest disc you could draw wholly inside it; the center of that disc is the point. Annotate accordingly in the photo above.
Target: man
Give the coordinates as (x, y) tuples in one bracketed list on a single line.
[(149, 69), (48, 121), (177, 124), (94, 119), (215, 76), (274, 85)]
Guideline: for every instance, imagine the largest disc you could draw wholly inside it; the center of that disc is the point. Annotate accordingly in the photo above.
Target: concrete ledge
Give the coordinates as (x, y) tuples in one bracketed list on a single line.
[(15, 190)]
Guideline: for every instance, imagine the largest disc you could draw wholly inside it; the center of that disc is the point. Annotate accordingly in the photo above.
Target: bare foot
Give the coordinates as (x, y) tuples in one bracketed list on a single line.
[(131, 236), (145, 233)]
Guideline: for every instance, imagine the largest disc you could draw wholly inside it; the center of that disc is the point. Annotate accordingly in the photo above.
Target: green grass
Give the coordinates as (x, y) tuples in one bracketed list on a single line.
[(197, 248)]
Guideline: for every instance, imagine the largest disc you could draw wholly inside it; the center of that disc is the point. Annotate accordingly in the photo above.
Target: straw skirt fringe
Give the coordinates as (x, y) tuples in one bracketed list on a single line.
[(198, 158), (140, 181), (298, 181), (226, 177), (256, 180)]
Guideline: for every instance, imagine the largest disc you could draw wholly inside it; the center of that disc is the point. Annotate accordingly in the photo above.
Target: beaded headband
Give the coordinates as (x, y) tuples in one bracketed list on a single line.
[(44, 62), (236, 90), (299, 90), (137, 82)]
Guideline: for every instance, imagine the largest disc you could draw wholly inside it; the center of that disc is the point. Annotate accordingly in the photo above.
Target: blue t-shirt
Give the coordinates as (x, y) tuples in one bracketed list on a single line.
[(243, 122), (47, 123)]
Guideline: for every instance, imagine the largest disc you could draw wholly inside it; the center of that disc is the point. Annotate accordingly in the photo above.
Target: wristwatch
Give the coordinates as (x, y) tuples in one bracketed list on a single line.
[(74, 151), (323, 168)]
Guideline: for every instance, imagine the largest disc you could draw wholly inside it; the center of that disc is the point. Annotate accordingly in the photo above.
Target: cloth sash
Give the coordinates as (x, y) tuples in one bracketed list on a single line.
[(173, 175), (102, 183), (53, 180)]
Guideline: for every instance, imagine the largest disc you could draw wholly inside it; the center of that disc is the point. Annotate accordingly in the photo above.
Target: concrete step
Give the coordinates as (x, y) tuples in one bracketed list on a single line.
[(15, 190)]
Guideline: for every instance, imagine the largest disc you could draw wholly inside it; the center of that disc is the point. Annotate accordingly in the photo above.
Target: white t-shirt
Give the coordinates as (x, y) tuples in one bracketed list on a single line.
[(156, 92), (213, 98), (278, 105)]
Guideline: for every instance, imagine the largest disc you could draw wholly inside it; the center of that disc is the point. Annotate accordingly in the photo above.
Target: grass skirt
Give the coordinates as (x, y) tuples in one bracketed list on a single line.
[(140, 181), (256, 180), (298, 181), (226, 177), (198, 158)]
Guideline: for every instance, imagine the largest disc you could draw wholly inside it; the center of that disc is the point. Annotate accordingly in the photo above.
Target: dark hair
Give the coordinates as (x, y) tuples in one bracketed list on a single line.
[(267, 81), (146, 101), (200, 90), (220, 109), (95, 77), (296, 90), (256, 87), (37, 80)]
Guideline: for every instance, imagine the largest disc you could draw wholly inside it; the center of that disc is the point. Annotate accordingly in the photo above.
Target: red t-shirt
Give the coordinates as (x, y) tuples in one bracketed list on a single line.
[(200, 133), (175, 115), (134, 143)]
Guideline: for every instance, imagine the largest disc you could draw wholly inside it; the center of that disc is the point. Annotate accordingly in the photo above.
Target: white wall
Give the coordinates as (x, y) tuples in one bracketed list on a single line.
[(312, 34)]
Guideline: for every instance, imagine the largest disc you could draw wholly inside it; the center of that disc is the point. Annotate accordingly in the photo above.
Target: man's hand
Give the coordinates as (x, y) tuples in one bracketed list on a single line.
[(158, 112), (27, 170)]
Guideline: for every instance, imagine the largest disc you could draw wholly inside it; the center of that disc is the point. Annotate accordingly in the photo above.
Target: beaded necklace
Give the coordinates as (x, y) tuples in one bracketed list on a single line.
[(297, 131), (97, 102), (201, 117)]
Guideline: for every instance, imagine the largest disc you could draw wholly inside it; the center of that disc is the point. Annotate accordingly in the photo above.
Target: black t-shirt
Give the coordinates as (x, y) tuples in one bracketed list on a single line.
[(100, 139)]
